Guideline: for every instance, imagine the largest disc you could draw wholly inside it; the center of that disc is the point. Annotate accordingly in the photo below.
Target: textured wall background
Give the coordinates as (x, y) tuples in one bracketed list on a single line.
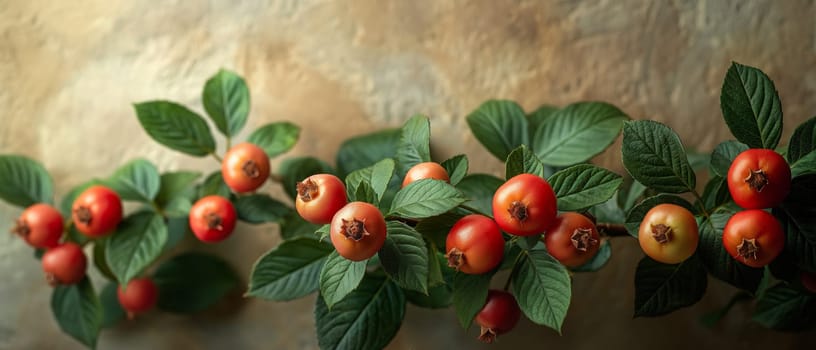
[(69, 72)]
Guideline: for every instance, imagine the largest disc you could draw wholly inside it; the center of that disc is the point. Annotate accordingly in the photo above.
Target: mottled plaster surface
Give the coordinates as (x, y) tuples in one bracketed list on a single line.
[(69, 72)]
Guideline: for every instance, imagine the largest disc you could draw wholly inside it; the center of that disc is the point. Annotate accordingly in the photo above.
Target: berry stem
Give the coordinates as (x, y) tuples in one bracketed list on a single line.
[(217, 157)]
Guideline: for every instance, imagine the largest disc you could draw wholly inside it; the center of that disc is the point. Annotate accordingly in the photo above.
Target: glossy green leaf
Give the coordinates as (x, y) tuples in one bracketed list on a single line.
[(724, 154), (456, 167), (275, 138), (214, 185), (78, 311), (662, 288), (404, 257), (260, 208), (654, 156), (425, 198), (112, 312), (803, 141), (193, 282), (583, 186), (24, 182), (176, 127), (543, 289), (751, 107), (365, 150), (785, 308), (226, 100), (100, 259), (538, 117), (798, 218), (290, 271), (414, 144), (577, 132), (469, 295), (367, 319), (175, 184), (479, 190), (138, 180), (137, 242), (339, 277), (376, 176), (522, 160), (500, 126)]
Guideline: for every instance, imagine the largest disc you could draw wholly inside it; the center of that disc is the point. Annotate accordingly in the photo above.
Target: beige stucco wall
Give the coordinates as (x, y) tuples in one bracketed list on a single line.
[(69, 71)]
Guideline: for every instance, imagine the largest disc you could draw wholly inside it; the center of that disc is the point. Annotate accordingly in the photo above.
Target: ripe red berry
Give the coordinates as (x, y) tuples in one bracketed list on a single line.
[(97, 211), (138, 297), (212, 219), (40, 225), (245, 167), (499, 315), (64, 264)]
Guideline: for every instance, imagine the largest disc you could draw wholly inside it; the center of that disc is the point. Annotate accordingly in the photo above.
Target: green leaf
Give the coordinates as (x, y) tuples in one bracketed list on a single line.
[(174, 185), (414, 145), (479, 190), (275, 138), (500, 126), (751, 107), (456, 167), (214, 185), (193, 282), (290, 271), (425, 198), (68, 200), (785, 308), (404, 257), (805, 165), (365, 150), (639, 211), (803, 141), (577, 133), (654, 156), (798, 218), (176, 127), (523, 161), (226, 99), (260, 208), (599, 260), (438, 297), (339, 277), (538, 117), (718, 262), (294, 170), (469, 295), (112, 312), (178, 207), (542, 288), (583, 186), (365, 320), (138, 180), (137, 242), (78, 311), (662, 288), (636, 190), (376, 176), (724, 154), (293, 227), (177, 229), (716, 192), (609, 212), (698, 161), (24, 182), (436, 228), (100, 259)]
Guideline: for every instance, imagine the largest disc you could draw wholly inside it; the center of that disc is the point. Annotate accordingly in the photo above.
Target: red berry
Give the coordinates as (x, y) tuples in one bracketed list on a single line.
[(64, 264), (40, 225), (138, 297), (212, 219), (97, 211), (499, 315)]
